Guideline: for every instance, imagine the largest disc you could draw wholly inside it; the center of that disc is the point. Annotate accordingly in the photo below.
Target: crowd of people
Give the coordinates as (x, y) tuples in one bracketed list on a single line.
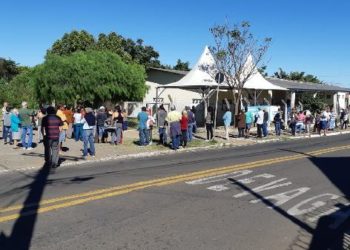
[(320, 122), (179, 126), (55, 124)]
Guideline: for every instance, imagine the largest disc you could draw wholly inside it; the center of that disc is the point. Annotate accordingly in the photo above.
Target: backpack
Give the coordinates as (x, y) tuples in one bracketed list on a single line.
[(190, 117), (7, 119)]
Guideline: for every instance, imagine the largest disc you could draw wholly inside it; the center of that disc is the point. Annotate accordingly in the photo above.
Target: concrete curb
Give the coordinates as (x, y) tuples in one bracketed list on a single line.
[(169, 151)]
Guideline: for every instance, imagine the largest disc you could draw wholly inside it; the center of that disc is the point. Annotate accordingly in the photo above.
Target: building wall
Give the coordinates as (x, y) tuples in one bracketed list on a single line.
[(180, 98)]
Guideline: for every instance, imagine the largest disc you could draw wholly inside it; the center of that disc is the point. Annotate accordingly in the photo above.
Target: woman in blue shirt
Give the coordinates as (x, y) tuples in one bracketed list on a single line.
[(227, 122)]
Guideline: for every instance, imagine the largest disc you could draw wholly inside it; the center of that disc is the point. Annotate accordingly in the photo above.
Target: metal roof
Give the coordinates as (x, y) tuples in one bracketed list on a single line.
[(178, 72), (305, 86)]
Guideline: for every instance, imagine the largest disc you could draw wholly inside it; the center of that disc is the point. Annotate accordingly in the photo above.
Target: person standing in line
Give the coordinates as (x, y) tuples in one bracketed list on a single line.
[(173, 119), (118, 119), (7, 126), (345, 120), (324, 119), (209, 121), (25, 116), (162, 124), (260, 122), (227, 122), (249, 118), (278, 120), (63, 131), (293, 121), (194, 111), (69, 115), (317, 122), (191, 122), (142, 117), (299, 126), (150, 124), (265, 124), (50, 128), (184, 128), (125, 120), (15, 128), (101, 118), (3, 110), (332, 119), (40, 115), (309, 119), (89, 122), (241, 123), (78, 125)]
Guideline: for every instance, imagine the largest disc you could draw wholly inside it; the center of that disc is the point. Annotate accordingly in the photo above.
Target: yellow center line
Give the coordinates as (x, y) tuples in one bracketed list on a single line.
[(77, 199)]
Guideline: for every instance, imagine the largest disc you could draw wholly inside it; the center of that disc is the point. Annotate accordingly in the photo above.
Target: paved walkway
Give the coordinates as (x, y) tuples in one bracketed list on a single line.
[(24, 160)]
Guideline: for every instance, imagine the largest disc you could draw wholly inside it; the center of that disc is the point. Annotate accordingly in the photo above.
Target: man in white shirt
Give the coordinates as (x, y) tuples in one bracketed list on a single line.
[(260, 122)]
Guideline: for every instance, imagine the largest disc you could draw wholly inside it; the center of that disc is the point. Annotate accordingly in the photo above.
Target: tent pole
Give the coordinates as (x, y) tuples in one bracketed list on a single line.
[(254, 97), (157, 104), (216, 109)]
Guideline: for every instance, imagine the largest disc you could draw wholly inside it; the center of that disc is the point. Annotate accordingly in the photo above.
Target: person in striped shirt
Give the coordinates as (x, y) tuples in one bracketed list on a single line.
[(50, 128)]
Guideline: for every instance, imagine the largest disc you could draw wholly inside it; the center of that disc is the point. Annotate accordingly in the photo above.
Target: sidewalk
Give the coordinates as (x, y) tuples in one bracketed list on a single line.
[(24, 160)]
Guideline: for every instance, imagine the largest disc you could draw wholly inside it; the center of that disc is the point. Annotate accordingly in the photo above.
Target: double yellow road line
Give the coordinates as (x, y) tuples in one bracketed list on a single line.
[(78, 199)]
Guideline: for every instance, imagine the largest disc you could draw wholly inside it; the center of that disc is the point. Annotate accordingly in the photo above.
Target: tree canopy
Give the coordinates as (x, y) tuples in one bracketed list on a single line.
[(310, 101), (128, 49), (234, 47), (93, 76), (297, 76), (180, 65), (8, 69)]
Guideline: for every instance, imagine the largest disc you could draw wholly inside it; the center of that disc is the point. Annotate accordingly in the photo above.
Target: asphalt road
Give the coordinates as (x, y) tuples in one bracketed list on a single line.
[(285, 195)]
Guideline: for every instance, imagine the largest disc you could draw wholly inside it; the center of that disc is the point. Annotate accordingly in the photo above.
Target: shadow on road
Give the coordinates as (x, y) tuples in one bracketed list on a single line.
[(22, 231), (329, 231)]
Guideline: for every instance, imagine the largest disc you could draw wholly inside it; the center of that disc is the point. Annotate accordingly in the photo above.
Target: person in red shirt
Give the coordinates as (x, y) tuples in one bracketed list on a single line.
[(184, 128)]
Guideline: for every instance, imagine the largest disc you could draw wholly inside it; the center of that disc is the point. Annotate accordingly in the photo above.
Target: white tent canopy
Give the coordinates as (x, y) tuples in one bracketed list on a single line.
[(200, 76), (256, 80)]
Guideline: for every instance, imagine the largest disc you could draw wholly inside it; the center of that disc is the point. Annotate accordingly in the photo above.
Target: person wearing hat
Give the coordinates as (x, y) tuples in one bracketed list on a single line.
[(101, 118)]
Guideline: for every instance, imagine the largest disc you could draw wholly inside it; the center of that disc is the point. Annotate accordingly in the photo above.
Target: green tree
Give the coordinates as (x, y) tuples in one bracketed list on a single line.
[(128, 49), (262, 70), (309, 100), (114, 43), (180, 65), (72, 42), (8, 69), (297, 76), (93, 76), (21, 88)]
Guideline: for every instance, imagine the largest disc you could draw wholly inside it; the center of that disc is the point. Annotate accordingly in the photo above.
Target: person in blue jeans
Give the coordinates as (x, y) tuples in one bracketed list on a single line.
[(25, 116), (191, 122), (89, 122), (277, 120), (7, 126), (265, 123), (142, 117), (78, 126)]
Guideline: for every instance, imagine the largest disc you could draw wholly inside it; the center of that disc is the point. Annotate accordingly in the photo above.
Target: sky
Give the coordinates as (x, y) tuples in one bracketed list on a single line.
[(307, 35)]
